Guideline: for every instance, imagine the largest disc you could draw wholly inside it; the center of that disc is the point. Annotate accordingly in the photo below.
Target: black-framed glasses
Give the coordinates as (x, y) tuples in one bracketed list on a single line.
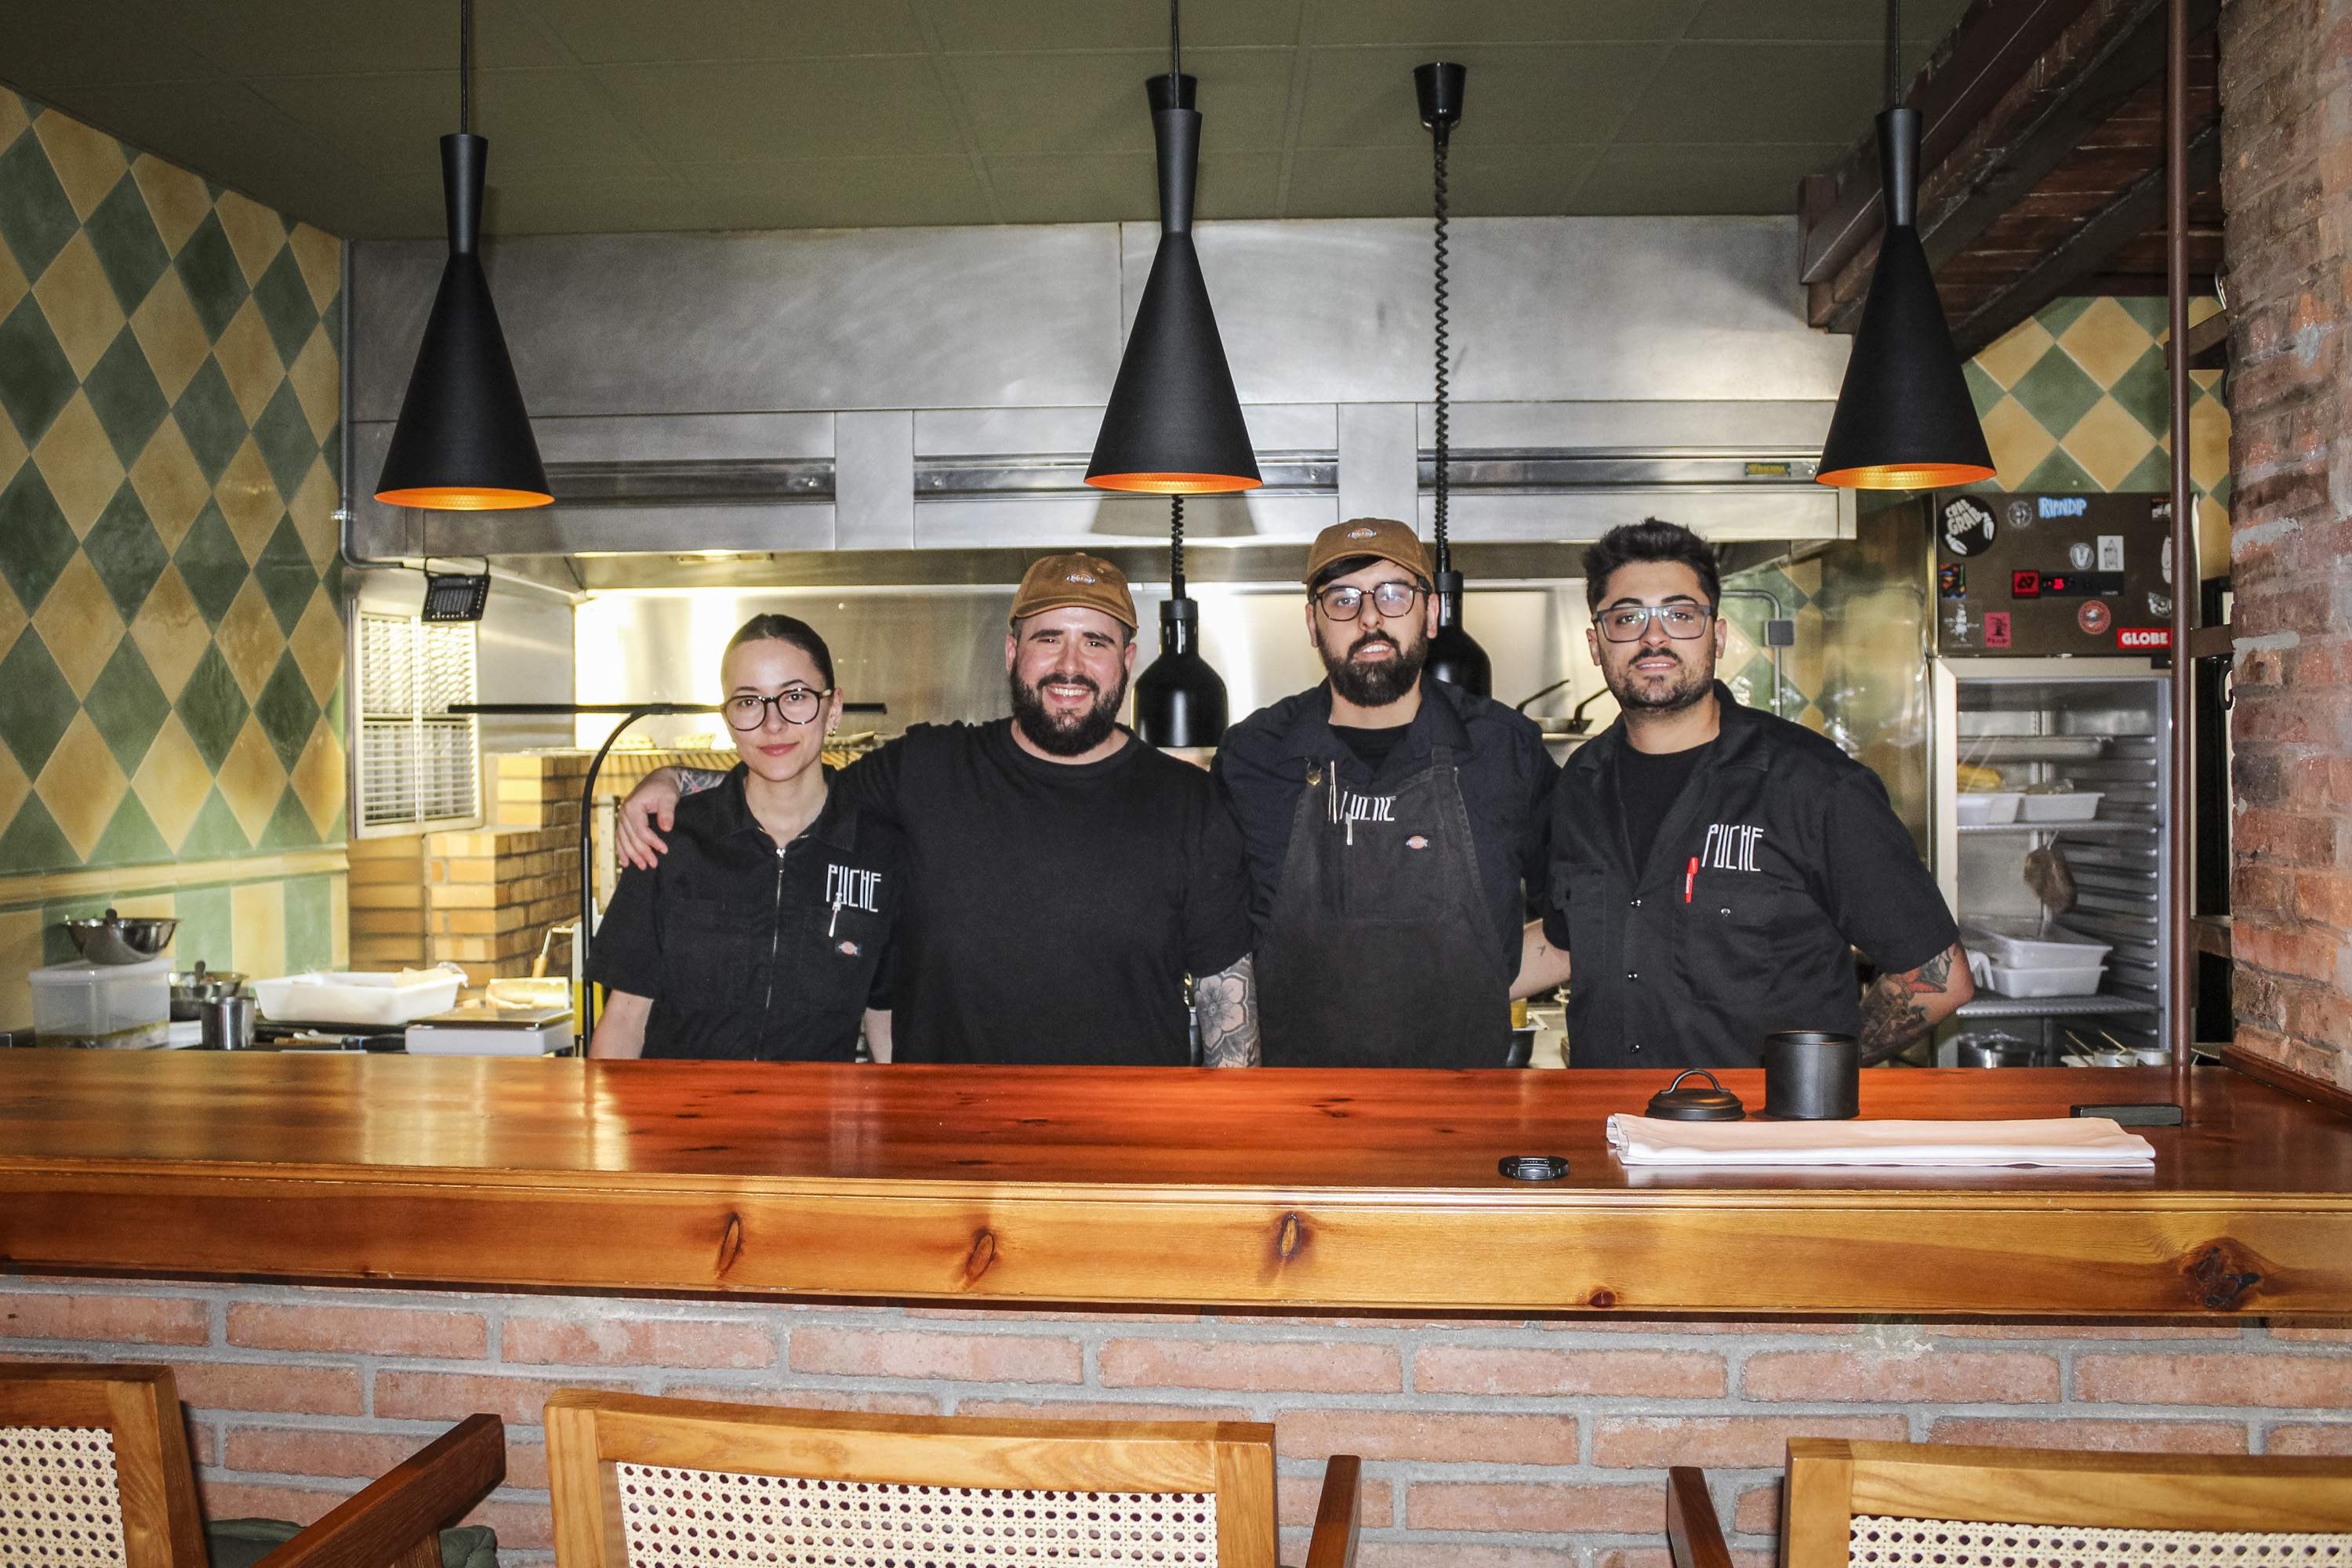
[(1627, 623), (798, 704), (1345, 601)]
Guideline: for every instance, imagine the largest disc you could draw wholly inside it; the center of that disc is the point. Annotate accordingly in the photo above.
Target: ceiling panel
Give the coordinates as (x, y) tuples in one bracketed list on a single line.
[(608, 32), (887, 106), (624, 116)]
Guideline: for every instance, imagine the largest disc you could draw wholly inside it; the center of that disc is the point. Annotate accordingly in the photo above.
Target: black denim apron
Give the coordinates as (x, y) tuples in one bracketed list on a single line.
[(1381, 952)]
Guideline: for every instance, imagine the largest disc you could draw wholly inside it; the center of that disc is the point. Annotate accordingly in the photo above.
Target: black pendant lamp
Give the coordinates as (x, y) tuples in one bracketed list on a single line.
[(1180, 700), (464, 440), (1453, 655), (1173, 426), (1904, 420)]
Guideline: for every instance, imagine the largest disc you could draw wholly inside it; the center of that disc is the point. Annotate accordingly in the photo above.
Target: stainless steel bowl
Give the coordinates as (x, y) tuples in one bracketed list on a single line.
[(191, 990), (113, 939)]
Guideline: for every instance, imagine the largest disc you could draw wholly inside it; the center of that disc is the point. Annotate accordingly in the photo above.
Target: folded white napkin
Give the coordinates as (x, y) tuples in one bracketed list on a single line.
[(2059, 1141)]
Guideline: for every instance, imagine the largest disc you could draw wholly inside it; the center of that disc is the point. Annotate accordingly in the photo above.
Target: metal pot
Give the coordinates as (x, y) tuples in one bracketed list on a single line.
[(1997, 1051), (191, 990)]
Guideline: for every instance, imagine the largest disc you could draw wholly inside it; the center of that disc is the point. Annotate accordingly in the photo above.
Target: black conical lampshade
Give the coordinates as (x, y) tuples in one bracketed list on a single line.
[(1174, 425), (1454, 655), (1178, 700), (463, 441), (1904, 420)]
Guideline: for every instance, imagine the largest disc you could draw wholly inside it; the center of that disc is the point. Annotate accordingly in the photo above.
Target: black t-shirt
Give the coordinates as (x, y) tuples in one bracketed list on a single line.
[(1371, 747), (1648, 784), (1052, 910), (753, 954)]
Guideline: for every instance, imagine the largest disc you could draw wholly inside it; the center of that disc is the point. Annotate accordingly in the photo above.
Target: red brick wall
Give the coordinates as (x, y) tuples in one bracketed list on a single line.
[(2286, 181), (1489, 1442)]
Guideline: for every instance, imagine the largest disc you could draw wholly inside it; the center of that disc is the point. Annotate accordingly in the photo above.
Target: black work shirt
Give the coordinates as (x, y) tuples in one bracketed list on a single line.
[(1506, 781), (750, 952), (1782, 856), (1053, 909)]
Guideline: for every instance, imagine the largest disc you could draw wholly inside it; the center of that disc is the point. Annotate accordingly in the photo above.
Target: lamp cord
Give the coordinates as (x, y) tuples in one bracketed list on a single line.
[(465, 66), (1175, 44), (1444, 553), (1176, 547), (1894, 54)]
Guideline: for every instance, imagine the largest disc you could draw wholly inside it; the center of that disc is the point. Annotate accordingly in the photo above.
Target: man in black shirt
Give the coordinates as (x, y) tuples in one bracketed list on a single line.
[(1062, 878), (1713, 867), (1391, 823)]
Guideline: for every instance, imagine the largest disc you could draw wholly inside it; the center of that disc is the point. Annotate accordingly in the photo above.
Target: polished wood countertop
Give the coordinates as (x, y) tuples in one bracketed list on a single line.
[(1360, 1190)]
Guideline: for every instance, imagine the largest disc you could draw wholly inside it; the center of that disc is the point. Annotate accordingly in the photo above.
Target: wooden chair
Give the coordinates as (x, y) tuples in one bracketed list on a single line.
[(95, 1462), (638, 1482), (1868, 1503)]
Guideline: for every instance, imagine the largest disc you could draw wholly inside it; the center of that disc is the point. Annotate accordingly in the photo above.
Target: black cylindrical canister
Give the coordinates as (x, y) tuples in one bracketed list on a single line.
[(1812, 1076)]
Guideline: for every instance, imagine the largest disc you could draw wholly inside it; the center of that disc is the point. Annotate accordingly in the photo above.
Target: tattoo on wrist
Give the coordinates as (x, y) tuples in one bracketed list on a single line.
[(1226, 1004), (694, 781), (1892, 1014)]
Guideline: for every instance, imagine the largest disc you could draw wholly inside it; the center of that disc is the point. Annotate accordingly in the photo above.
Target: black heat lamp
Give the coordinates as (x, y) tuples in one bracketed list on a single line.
[(1173, 426), (1180, 700), (463, 441), (1454, 655), (1904, 420)]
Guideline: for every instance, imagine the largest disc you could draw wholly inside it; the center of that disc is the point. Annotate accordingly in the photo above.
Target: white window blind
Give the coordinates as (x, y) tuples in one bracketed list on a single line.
[(418, 766)]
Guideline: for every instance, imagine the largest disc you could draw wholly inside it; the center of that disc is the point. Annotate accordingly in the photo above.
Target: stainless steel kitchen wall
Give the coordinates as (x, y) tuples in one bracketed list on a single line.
[(937, 654), (872, 354)]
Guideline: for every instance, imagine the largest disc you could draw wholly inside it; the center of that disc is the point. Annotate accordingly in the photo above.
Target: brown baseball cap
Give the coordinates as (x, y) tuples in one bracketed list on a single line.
[(1055, 582), (1380, 537)]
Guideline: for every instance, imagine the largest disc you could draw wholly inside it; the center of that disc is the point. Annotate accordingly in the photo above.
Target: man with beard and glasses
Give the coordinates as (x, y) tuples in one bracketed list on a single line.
[(1391, 822), (1063, 879), (1713, 867)]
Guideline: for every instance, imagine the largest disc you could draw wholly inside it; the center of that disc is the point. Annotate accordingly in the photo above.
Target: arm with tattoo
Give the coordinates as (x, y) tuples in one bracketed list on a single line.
[(1900, 1008), (646, 815), (1226, 1006)]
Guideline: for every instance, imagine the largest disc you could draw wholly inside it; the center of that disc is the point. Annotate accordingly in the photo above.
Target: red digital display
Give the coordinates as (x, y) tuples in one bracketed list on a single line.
[(2025, 584), (2056, 583)]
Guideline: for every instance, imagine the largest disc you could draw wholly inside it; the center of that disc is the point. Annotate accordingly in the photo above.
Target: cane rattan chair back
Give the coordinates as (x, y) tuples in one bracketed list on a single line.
[(671, 1483), (94, 1464), (94, 1473), (1866, 1505)]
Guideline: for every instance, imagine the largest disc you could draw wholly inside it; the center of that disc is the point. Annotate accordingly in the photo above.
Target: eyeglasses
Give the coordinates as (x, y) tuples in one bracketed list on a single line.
[(1628, 623), (1346, 602), (798, 704)]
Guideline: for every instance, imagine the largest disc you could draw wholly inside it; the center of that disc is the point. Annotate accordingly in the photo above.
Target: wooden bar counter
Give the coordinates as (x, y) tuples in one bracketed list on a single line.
[(1368, 1190)]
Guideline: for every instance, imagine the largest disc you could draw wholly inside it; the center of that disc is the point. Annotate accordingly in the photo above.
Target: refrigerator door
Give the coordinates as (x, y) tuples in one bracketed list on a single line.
[(2081, 865)]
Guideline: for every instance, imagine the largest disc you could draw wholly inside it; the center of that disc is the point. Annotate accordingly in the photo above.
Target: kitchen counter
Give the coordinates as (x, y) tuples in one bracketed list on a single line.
[(1357, 1190)]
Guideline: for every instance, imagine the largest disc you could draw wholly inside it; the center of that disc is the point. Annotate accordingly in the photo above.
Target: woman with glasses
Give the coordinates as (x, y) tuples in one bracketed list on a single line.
[(765, 932)]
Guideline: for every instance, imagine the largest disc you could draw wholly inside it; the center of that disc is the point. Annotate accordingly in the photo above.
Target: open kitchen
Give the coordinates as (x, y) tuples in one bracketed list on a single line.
[(1519, 757)]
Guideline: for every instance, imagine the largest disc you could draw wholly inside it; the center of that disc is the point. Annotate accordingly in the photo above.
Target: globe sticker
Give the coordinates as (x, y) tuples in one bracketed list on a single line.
[(2093, 618)]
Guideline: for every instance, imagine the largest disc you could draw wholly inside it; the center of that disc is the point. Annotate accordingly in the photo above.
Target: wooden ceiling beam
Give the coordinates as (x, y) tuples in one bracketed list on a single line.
[(2067, 267), (2090, 64)]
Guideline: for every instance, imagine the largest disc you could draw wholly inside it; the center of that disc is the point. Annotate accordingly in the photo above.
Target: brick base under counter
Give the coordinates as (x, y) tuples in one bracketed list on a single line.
[(1489, 1442)]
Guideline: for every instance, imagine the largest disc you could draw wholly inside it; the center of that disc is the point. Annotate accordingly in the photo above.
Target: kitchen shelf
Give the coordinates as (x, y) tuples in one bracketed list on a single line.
[(2110, 826), (2033, 748), (1993, 1004)]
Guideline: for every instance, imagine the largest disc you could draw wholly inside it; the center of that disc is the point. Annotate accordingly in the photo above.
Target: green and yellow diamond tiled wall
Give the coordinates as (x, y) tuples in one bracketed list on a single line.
[(2074, 399), (170, 631)]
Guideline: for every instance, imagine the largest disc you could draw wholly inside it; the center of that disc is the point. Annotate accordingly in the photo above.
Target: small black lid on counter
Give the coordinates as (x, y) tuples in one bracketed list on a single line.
[(1675, 1103)]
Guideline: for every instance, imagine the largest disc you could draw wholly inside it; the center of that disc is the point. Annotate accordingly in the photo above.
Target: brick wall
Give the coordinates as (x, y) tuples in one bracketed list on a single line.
[(2286, 125), (481, 899), (1489, 1442)]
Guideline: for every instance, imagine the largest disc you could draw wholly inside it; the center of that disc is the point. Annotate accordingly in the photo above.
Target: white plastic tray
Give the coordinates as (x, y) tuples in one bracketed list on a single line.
[(1988, 809), (2058, 949), (2025, 984), (348, 997), (2082, 805)]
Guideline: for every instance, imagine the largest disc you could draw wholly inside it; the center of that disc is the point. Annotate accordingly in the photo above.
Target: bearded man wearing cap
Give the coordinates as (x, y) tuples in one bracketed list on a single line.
[(1064, 878), (1392, 824)]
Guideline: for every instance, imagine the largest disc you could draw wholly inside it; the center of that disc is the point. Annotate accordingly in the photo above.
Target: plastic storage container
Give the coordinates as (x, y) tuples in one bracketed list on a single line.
[(120, 1005), (2057, 948), (2082, 805), (2025, 984), (360, 998), (1996, 808)]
